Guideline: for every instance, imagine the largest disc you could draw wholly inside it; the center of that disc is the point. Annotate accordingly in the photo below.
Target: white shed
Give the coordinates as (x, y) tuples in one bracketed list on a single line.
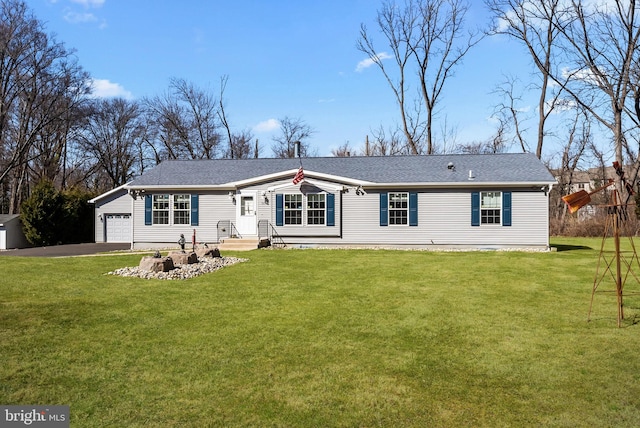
[(11, 234)]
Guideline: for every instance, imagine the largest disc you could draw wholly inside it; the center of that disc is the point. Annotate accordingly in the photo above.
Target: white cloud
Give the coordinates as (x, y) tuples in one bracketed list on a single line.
[(560, 105), (583, 74), (366, 63), (89, 3), (77, 18), (103, 88), (267, 126)]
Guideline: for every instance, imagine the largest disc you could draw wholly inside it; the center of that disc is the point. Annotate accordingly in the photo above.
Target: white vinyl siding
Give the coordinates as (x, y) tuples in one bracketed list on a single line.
[(117, 203), (443, 220), (213, 207)]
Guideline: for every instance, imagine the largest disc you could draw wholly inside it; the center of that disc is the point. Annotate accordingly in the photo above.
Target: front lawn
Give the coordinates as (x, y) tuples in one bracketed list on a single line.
[(306, 338)]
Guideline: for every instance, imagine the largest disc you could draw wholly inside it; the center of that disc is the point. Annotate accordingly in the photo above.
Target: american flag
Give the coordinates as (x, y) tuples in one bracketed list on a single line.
[(299, 176)]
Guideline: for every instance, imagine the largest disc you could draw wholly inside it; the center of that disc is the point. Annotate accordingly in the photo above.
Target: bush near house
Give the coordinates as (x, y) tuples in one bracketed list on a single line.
[(51, 217)]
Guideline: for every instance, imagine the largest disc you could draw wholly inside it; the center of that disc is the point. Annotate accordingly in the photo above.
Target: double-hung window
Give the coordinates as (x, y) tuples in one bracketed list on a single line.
[(398, 208), (293, 209), (181, 209), (160, 209), (490, 207), (316, 208), (168, 209), (312, 209)]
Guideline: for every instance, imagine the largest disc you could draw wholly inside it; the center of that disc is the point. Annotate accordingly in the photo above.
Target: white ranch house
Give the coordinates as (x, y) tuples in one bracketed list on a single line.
[(440, 201)]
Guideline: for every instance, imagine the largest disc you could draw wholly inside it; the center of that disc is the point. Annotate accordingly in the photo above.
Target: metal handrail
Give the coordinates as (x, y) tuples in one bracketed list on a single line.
[(226, 229), (266, 229)]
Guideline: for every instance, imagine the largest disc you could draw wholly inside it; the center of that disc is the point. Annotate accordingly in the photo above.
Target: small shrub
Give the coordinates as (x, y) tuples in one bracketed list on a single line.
[(577, 225)]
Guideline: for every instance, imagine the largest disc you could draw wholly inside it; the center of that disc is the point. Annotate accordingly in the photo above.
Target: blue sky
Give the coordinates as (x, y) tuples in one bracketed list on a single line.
[(295, 58)]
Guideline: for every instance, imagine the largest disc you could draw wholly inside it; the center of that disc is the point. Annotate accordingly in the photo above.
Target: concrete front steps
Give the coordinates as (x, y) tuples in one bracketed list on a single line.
[(238, 244)]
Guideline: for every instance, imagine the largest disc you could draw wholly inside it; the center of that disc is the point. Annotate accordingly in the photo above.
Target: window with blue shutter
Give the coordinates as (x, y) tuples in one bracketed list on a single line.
[(506, 208), (491, 208), (279, 209), (475, 208), (147, 210), (195, 217), (413, 209), (331, 210), (384, 209)]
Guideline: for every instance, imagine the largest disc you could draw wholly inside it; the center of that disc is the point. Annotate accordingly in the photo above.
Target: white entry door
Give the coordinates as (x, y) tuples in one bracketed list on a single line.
[(246, 219)]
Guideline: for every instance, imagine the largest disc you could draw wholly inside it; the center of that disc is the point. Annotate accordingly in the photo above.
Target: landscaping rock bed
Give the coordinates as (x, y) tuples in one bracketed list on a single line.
[(185, 271)]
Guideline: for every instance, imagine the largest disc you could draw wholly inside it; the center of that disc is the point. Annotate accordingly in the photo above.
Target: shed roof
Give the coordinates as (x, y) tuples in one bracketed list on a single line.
[(507, 168), (6, 218)]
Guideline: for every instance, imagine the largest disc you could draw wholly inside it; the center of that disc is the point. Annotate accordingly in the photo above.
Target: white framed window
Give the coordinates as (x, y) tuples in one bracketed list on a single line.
[(316, 208), (181, 209), (490, 207), (293, 209), (247, 206), (398, 208), (160, 209)]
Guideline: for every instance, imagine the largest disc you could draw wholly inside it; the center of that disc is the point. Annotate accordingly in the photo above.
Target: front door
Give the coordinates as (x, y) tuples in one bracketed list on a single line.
[(247, 223)]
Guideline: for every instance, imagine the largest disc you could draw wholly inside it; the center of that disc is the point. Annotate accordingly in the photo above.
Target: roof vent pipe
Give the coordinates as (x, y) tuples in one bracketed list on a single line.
[(296, 149), (471, 176)]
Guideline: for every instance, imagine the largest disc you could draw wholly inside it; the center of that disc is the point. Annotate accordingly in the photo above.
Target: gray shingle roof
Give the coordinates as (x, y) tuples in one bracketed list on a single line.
[(5, 218), (495, 168)]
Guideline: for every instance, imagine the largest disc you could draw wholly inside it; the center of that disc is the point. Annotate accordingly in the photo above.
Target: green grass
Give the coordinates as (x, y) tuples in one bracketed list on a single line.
[(319, 338)]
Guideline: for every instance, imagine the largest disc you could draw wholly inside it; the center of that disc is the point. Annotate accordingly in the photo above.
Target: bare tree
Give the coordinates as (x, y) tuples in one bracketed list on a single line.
[(113, 134), (343, 151), (534, 23), (292, 130), (387, 143), (239, 143), (426, 37), (509, 114), (40, 81), (578, 139), (602, 48), (496, 144), (185, 121), (242, 147)]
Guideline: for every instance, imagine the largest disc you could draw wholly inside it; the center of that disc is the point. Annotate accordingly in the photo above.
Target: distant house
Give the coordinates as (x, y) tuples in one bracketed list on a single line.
[(11, 234), (590, 181), (442, 201)]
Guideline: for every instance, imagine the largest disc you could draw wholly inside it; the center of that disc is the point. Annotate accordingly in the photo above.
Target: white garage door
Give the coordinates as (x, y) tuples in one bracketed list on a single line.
[(3, 239), (118, 227)]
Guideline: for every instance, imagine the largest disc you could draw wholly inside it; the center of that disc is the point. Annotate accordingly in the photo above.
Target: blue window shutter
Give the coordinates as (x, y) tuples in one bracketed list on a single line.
[(279, 209), (506, 208), (195, 217), (475, 208), (331, 209), (384, 209), (147, 210), (413, 209)]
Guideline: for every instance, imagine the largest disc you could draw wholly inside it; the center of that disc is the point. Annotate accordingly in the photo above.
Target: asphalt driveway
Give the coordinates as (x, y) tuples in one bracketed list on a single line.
[(67, 250)]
